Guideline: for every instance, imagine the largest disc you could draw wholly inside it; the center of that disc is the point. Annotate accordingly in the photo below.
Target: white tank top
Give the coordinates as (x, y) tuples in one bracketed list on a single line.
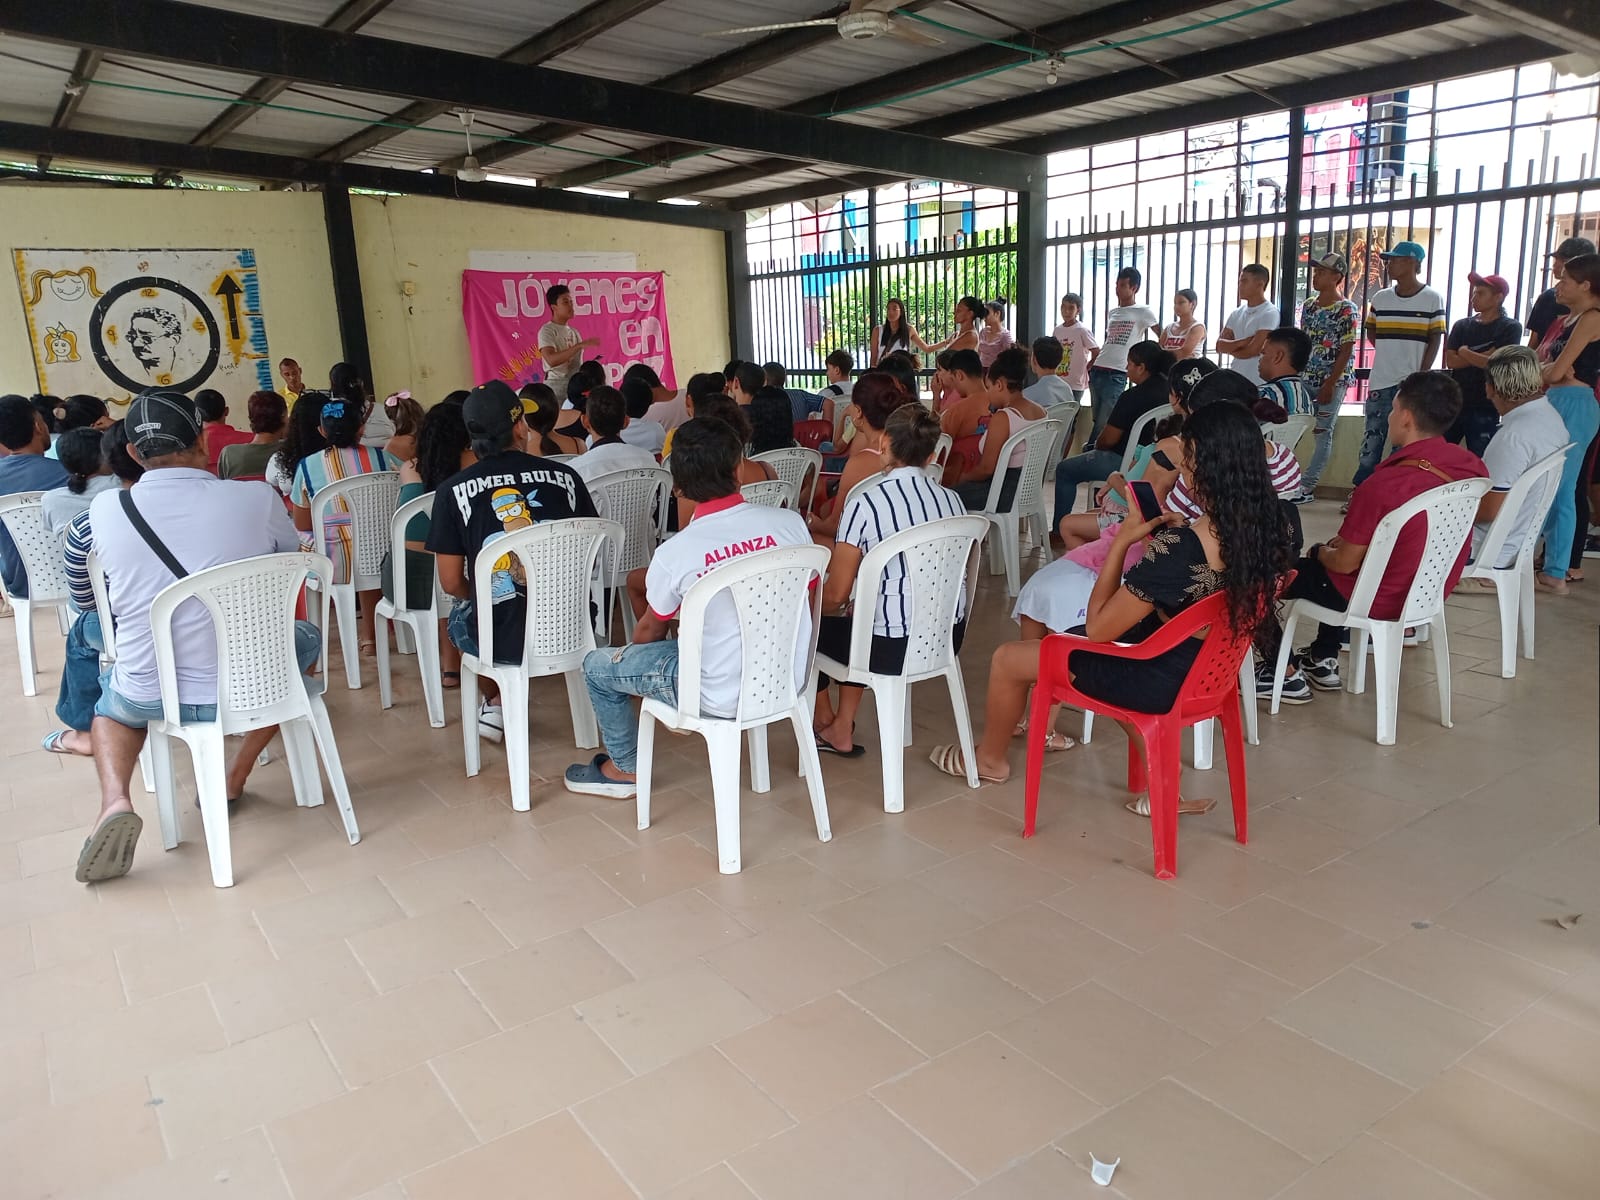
[(1018, 424)]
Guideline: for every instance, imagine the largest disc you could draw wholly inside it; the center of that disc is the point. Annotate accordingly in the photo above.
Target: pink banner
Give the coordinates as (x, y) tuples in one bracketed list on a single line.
[(626, 310)]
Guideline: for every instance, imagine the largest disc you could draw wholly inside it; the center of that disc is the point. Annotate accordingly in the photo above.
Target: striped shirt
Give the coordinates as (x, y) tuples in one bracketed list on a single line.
[(79, 542), (904, 499), (1290, 393), (1281, 465), (1401, 327), (317, 471)]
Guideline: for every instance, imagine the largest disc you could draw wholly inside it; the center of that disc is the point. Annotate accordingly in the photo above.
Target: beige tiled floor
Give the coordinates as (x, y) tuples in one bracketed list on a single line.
[(1372, 999)]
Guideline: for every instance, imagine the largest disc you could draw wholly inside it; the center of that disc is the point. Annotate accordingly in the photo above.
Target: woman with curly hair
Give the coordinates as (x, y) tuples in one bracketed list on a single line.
[(771, 423), (1238, 546), (303, 437)]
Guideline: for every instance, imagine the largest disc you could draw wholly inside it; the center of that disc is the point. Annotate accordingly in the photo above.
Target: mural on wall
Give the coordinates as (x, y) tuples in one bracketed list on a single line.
[(114, 322)]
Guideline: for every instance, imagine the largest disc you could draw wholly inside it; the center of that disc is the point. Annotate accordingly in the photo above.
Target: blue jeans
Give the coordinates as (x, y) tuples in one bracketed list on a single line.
[(1071, 472), (1322, 448), (1105, 386), (1581, 416), (615, 675), (80, 674), (1474, 427), (1375, 440), (137, 714)]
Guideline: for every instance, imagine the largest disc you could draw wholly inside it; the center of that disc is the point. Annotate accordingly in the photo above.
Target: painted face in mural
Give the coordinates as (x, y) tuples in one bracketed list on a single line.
[(153, 335)]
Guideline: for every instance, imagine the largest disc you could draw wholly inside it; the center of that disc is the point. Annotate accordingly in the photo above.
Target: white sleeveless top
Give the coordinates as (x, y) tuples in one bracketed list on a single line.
[(1018, 424)]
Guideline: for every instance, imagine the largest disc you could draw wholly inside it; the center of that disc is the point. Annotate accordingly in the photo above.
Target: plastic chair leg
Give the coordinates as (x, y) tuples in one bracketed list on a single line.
[(958, 702), (585, 728), (514, 705), (1138, 769), (385, 682), (1012, 538), (1525, 591), (322, 732), (889, 694), (210, 774), (1386, 646), (1038, 728), (300, 751), (811, 768), (63, 621), (1165, 772), (426, 633), (344, 614), (1360, 639), (472, 752), (760, 761), (1508, 598), (1285, 648), (1247, 699), (160, 747), (722, 742), (644, 766), (1088, 727), (147, 771), (1203, 734), (404, 639), (22, 618), (1233, 750), (1441, 668)]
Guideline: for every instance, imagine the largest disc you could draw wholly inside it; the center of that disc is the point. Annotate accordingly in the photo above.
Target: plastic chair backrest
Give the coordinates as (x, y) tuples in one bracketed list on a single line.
[(769, 589), (774, 493), (102, 607), (418, 506), (941, 566), (252, 605), (1534, 493), (941, 453), (811, 434), (1067, 414), (370, 500), (1449, 510), (792, 464), (1038, 437), (860, 486), (1139, 426), (560, 556), (39, 549), (558, 457), (1216, 668), (1291, 431), (636, 499)]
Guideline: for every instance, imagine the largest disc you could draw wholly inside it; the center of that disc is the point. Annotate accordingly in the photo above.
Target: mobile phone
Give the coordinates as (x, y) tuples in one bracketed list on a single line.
[(1144, 496)]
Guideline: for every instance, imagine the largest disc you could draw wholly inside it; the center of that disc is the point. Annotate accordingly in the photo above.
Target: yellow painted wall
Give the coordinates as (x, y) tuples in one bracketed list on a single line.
[(419, 342), (285, 229), (416, 342)]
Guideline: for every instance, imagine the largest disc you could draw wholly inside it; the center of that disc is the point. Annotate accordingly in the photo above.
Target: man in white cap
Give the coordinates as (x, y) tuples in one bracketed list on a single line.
[(176, 520)]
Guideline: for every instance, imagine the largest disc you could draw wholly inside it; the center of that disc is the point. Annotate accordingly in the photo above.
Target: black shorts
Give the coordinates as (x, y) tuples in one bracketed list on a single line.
[(888, 655), (1138, 685)]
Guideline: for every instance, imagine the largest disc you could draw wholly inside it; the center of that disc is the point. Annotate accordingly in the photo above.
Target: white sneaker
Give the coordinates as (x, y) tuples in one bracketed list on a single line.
[(491, 723)]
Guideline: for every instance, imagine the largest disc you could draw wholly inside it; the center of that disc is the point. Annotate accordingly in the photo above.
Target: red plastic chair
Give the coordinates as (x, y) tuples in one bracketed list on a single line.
[(811, 434), (1210, 690)]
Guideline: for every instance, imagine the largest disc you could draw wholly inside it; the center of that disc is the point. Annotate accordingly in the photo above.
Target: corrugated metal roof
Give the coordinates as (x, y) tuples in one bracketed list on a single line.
[(174, 103)]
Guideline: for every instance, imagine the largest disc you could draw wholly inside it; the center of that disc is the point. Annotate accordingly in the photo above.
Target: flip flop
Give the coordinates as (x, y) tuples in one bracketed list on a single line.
[(824, 746), (948, 759), (52, 742), (108, 852), (450, 680), (1141, 807)]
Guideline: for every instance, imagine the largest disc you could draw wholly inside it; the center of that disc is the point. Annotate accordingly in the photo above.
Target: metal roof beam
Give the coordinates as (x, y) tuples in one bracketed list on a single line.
[(231, 41), (1568, 23), (564, 35), (1185, 68), (149, 154), (351, 15), (963, 64), (83, 69), (1386, 77)]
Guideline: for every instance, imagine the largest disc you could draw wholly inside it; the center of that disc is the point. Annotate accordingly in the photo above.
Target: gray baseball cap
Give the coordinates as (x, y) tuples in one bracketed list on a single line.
[(161, 421)]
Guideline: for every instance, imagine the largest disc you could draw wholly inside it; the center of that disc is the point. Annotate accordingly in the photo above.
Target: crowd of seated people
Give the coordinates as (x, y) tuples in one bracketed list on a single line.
[(1225, 524)]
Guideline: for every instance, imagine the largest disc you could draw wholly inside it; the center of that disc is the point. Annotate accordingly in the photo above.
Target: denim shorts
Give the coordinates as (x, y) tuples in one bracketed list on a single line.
[(137, 714)]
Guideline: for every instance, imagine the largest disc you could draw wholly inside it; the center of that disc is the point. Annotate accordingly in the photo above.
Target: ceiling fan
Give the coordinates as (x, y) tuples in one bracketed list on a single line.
[(866, 19)]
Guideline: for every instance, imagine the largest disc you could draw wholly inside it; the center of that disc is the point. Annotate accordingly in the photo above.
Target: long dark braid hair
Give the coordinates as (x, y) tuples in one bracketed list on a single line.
[(1233, 486), (302, 437)]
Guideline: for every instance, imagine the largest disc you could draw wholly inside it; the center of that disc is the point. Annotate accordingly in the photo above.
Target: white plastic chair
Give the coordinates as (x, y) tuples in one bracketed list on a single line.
[(1291, 431), (1448, 510), (422, 622), (561, 458), (1028, 504), (941, 565), (1531, 496), (1067, 413), (108, 652), (252, 605), (40, 551), (792, 465), (774, 493), (1137, 432), (941, 455), (638, 500), (558, 559), (371, 500), (769, 590)]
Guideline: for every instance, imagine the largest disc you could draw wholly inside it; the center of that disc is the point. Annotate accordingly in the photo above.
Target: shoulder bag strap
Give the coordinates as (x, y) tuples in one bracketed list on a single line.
[(136, 518)]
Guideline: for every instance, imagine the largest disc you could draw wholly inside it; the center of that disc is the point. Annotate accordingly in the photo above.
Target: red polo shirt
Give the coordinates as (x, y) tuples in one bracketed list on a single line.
[(1399, 478)]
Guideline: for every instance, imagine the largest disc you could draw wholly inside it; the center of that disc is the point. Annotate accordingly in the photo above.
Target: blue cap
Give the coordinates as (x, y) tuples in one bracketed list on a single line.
[(1405, 250)]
